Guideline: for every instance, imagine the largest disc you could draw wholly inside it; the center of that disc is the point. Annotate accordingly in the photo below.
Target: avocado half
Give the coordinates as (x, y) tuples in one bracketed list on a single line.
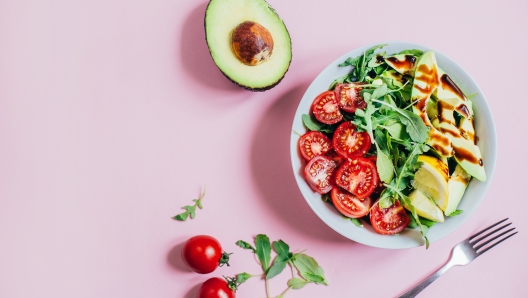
[(222, 17)]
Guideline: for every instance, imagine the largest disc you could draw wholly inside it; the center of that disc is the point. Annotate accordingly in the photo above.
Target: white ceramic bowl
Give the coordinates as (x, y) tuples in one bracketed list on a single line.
[(474, 194)]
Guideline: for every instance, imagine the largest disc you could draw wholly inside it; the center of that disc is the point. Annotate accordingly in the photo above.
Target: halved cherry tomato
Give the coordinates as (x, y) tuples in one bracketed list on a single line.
[(349, 97), (350, 205), (349, 143), (319, 174), (313, 144), (358, 176), (326, 109), (389, 221), (335, 157)]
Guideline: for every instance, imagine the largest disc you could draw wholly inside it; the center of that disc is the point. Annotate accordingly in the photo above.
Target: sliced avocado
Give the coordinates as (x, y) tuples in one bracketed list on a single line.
[(467, 154), (424, 84), (457, 186), (449, 90), (248, 42), (402, 63)]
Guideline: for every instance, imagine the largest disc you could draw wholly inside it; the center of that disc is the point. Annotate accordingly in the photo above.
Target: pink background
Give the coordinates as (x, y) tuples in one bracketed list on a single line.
[(113, 116)]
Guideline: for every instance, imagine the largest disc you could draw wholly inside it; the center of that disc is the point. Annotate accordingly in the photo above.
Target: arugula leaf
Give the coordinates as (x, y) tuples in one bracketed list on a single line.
[(245, 245), (297, 283), (427, 222), (384, 166), (395, 130), (348, 62), (341, 79), (263, 251), (191, 210), (379, 92), (414, 52), (414, 126), (455, 213), (309, 269)]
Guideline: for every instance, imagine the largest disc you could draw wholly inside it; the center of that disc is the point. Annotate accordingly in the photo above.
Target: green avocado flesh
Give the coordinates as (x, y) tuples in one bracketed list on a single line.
[(222, 17)]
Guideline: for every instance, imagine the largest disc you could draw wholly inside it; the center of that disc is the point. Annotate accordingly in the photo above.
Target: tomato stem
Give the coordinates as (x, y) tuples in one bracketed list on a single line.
[(224, 260), (231, 283)]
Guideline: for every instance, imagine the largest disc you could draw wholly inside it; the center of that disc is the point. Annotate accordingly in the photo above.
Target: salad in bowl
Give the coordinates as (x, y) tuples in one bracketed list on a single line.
[(389, 144)]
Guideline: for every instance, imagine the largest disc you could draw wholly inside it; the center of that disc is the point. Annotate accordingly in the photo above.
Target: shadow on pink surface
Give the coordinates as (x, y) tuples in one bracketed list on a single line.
[(174, 258), (272, 170), (193, 292), (194, 54)]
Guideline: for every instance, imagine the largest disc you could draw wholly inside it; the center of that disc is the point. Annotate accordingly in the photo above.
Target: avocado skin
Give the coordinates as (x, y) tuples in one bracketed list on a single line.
[(262, 89)]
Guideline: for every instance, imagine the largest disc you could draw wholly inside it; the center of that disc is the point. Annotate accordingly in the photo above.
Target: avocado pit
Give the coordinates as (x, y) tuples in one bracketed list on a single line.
[(251, 43)]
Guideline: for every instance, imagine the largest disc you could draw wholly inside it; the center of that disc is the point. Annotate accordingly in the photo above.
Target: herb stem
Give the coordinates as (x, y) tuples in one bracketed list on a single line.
[(267, 288), (296, 133), (283, 293)]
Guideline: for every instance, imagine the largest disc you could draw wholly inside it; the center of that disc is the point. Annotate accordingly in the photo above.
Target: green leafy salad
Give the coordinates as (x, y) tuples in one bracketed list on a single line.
[(393, 142)]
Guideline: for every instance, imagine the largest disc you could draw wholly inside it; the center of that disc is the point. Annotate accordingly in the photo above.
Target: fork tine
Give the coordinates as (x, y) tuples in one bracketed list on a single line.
[(490, 233), (473, 236), (496, 243), (481, 245)]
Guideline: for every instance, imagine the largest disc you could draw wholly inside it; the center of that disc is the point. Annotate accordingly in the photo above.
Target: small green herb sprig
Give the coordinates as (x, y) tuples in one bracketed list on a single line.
[(191, 210), (308, 269)]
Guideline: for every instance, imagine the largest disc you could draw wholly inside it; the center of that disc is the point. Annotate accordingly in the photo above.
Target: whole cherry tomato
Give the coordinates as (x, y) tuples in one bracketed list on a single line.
[(216, 288), (202, 254)]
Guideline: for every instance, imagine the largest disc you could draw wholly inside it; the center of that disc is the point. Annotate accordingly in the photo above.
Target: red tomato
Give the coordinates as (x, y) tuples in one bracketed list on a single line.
[(215, 288), (313, 144), (202, 254), (390, 220), (318, 174), (350, 205), (358, 176), (326, 109), (335, 157), (349, 143), (349, 97)]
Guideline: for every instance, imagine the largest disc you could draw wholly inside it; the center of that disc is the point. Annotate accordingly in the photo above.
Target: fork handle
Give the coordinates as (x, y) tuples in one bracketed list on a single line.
[(424, 283)]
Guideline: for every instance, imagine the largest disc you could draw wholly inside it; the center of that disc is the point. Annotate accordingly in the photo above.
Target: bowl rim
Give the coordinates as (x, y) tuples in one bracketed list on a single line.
[(489, 154)]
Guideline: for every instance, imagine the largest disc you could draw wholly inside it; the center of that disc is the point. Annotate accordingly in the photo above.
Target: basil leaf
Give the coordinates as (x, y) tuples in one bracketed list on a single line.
[(278, 266), (263, 252), (281, 248), (296, 283), (309, 269), (245, 245), (242, 277), (283, 256), (356, 221), (311, 123)]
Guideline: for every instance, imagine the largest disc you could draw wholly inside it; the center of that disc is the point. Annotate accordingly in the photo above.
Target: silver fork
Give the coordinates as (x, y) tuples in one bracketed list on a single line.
[(465, 252)]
